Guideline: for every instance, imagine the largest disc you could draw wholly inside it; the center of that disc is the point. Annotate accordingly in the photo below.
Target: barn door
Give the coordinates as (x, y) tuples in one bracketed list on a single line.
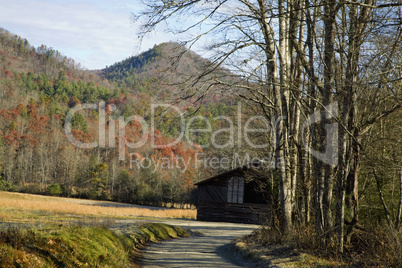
[(236, 190)]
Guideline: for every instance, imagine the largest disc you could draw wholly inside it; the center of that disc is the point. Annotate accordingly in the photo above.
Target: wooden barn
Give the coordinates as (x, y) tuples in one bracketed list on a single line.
[(232, 197)]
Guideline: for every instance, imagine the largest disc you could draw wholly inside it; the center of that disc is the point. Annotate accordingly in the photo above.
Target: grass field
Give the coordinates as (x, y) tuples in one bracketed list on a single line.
[(42, 231), (21, 204)]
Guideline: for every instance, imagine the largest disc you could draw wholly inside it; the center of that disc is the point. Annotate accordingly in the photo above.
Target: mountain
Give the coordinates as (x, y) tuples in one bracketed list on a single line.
[(167, 72), (38, 89), (40, 86), (168, 62)]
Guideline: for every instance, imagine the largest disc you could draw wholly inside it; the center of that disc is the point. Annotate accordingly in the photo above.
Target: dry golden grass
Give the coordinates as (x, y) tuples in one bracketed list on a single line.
[(28, 202)]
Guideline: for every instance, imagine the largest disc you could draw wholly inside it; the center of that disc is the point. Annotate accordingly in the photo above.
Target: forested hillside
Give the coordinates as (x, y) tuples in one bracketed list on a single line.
[(166, 72), (39, 86)]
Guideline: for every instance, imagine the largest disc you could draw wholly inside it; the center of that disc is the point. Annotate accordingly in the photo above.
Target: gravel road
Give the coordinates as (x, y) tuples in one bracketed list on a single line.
[(211, 249)]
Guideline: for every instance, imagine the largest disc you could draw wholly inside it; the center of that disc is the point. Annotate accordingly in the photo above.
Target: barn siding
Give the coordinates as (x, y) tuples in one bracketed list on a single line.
[(239, 213), (212, 193), (221, 198)]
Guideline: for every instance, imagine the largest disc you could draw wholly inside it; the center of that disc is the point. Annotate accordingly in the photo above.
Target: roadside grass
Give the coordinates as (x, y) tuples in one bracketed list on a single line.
[(78, 246), (377, 246), (269, 248), (42, 231), (29, 203)]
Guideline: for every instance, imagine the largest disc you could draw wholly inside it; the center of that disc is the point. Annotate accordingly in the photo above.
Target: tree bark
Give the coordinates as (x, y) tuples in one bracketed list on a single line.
[(398, 217)]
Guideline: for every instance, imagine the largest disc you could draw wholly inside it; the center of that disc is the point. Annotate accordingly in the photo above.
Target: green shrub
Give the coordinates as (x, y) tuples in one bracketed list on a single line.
[(6, 186), (54, 189)]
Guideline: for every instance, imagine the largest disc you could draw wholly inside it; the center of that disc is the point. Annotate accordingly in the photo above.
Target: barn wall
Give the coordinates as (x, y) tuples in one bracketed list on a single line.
[(212, 193), (239, 213), (222, 198)]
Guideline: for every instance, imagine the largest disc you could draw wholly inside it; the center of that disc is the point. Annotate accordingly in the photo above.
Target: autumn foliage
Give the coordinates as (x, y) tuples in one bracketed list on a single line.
[(38, 87)]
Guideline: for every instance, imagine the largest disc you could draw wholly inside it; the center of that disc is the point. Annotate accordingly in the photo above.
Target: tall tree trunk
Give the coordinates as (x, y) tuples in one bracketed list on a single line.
[(296, 32), (351, 191), (311, 167), (282, 100), (357, 24), (398, 217), (326, 172), (280, 88)]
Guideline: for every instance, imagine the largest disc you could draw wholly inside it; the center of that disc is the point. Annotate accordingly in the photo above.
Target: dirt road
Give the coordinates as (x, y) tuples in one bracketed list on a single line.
[(212, 249)]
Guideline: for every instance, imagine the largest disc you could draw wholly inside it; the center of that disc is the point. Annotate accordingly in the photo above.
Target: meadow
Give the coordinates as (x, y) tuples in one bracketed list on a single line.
[(43, 231), (16, 205)]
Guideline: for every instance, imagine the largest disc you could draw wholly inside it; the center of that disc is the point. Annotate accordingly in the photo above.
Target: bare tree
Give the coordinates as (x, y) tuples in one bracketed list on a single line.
[(297, 58)]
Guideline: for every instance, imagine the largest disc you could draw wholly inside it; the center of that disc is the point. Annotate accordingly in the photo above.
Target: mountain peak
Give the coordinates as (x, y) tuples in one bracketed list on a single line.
[(164, 63)]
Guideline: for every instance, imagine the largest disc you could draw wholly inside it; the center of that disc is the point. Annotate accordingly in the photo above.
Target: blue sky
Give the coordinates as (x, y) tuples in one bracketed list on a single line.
[(94, 33)]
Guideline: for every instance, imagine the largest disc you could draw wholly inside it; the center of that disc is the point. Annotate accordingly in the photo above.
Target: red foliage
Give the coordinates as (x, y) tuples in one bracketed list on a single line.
[(81, 136), (166, 152), (57, 117), (13, 137), (32, 110), (178, 150), (121, 100), (17, 110), (39, 124), (10, 114)]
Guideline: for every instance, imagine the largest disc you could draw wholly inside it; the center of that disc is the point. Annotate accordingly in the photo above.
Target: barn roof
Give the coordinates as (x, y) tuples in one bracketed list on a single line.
[(253, 166), (222, 175)]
